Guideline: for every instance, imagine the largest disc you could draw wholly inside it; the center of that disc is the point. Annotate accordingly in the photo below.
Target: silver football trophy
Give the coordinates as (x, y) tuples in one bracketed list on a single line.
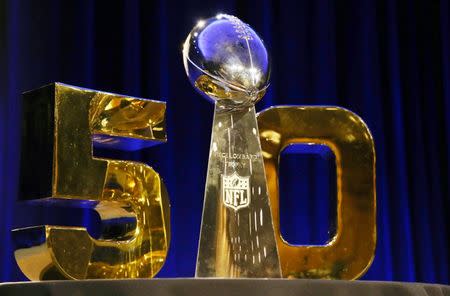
[(229, 64)]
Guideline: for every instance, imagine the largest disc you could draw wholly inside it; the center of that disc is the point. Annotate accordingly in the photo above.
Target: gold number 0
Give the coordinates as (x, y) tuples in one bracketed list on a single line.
[(60, 122), (351, 251)]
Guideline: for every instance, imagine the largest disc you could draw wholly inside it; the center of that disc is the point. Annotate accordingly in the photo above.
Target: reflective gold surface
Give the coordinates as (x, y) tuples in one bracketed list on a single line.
[(60, 122), (228, 63), (208, 86), (350, 252), (237, 238)]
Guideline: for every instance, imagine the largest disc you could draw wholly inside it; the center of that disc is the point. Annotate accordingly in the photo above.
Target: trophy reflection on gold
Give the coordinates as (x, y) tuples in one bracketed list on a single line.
[(229, 64)]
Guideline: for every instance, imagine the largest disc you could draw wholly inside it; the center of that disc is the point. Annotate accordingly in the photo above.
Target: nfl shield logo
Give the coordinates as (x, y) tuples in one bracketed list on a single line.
[(236, 191)]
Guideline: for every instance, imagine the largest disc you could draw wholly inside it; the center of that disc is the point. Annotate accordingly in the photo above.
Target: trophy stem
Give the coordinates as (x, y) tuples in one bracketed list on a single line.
[(237, 237)]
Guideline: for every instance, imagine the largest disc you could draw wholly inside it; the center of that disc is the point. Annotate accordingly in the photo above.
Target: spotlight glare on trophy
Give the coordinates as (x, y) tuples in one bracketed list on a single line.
[(229, 64)]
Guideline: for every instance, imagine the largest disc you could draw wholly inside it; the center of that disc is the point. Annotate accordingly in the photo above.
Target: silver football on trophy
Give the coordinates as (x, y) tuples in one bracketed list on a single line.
[(227, 61)]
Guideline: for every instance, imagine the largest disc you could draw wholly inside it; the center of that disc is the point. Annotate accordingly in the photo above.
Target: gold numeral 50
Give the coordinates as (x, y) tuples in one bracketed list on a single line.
[(60, 123)]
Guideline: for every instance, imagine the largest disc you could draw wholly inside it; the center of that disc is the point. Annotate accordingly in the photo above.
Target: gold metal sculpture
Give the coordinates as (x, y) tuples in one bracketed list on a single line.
[(60, 124), (350, 252)]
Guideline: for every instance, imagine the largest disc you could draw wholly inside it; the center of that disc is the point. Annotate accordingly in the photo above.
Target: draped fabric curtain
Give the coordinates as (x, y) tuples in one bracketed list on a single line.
[(388, 61)]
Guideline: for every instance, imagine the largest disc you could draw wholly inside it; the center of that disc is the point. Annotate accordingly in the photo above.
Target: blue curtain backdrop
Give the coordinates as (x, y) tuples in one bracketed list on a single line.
[(386, 60)]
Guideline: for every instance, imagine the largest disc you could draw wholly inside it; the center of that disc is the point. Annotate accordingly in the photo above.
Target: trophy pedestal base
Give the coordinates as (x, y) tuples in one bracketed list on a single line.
[(218, 287)]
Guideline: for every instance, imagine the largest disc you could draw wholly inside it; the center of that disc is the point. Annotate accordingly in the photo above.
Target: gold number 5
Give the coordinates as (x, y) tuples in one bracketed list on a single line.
[(60, 123)]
